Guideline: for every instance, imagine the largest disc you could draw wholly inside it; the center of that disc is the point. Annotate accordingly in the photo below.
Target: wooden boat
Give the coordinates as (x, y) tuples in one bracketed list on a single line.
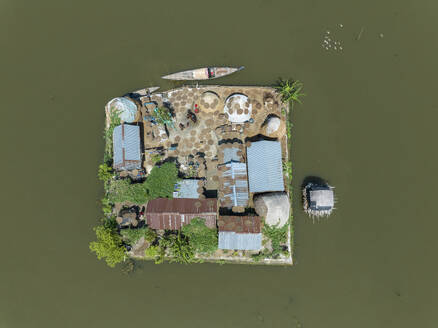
[(206, 73)]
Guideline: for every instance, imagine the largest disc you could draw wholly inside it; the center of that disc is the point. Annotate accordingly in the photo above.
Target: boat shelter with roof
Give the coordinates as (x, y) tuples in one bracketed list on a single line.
[(126, 147), (265, 171), (321, 199), (172, 214)]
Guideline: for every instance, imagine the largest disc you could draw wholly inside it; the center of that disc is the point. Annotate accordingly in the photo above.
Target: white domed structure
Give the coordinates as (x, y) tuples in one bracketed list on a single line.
[(126, 108), (238, 107), (273, 127)]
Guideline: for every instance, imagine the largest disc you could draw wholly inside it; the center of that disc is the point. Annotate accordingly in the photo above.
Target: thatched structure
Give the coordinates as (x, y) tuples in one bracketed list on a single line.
[(274, 207)]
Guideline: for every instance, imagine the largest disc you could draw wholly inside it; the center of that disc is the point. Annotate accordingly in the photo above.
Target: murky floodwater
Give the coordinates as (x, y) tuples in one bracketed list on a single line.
[(367, 125)]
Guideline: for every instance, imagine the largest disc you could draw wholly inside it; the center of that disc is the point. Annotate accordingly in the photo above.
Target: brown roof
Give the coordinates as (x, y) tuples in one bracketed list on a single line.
[(240, 224), (171, 214)]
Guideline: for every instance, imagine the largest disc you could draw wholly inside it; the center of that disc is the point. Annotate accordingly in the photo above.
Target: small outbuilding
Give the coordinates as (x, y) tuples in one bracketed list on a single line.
[(126, 147), (187, 188), (318, 199), (265, 171), (240, 233)]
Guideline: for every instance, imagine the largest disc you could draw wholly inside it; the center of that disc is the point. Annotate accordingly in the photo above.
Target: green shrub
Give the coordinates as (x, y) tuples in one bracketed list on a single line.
[(132, 235), (162, 115), (104, 172), (108, 246), (152, 252), (179, 248), (123, 190), (160, 183), (290, 91), (107, 206), (278, 237), (108, 136), (201, 238), (150, 235)]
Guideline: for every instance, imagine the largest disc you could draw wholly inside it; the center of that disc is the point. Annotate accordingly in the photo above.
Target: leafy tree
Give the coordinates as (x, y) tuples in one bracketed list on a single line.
[(105, 172), (108, 246), (161, 181), (107, 206), (290, 91), (132, 235), (179, 248), (201, 238)]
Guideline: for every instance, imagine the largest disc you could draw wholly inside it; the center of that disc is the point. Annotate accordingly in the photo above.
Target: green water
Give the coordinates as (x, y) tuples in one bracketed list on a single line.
[(367, 125)]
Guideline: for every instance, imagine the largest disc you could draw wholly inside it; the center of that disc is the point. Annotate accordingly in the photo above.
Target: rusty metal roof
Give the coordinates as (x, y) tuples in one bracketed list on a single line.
[(182, 205), (171, 214), (240, 224)]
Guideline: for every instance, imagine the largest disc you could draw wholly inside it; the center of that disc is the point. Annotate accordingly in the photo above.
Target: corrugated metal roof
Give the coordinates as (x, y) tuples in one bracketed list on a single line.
[(240, 241), (126, 147), (322, 199), (234, 185), (265, 172), (240, 224), (230, 154), (171, 214), (187, 188)]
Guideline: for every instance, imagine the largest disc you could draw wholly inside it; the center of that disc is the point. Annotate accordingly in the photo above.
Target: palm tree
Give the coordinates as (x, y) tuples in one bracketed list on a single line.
[(290, 91)]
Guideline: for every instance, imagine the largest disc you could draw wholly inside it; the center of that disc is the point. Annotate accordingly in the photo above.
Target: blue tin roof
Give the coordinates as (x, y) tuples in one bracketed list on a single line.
[(126, 147), (240, 241), (187, 188), (265, 172)]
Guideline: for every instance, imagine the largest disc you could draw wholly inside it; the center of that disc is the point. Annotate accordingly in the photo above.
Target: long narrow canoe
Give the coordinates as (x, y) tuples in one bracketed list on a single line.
[(206, 73)]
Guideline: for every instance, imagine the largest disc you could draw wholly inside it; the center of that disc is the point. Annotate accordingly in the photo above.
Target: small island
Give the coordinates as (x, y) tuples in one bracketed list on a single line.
[(198, 174)]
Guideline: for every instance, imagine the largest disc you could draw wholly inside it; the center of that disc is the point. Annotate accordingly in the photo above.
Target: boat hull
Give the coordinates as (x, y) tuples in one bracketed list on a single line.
[(205, 73)]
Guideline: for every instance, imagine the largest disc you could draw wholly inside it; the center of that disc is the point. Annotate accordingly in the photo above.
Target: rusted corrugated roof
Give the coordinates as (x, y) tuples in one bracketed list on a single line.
[(171, 214), (240, 224), (182, 205)]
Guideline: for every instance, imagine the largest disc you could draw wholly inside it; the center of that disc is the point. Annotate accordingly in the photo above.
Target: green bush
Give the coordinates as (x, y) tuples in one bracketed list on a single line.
[(150, 235), (278, 237), (160, 183), (107, 206), (179, 248), (108, 246), (104, 172), (290, 91), (132, 235), (152, 252), (108, 136), (201, 238)]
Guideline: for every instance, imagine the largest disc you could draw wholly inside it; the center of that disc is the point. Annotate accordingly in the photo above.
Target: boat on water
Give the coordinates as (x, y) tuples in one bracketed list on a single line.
[(205, 73)]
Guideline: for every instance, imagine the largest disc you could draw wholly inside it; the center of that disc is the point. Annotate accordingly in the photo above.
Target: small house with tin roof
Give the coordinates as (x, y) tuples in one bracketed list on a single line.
[(126, 147), (265, 171), (240, 233), (318, 199), (172, 214)]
